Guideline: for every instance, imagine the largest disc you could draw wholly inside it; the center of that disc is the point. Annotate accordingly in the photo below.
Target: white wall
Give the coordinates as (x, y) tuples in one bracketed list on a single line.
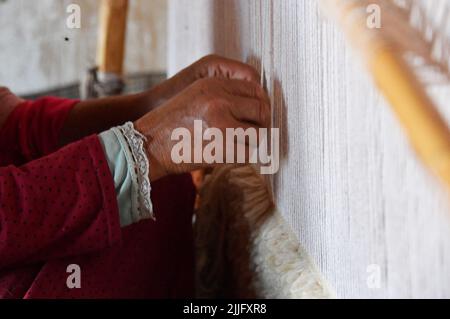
[(35, 56), (349, 185)]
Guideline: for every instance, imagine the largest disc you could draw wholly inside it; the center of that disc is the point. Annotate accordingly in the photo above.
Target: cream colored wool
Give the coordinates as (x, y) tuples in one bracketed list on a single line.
[(244, 247)]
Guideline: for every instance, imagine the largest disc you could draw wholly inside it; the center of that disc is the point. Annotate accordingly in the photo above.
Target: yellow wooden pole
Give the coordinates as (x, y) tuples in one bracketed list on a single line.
[(427, 131), (112, 35)]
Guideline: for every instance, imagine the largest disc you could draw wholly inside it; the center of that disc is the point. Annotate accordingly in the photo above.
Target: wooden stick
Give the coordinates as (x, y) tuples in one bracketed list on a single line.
[(111, 43), (427, 131)]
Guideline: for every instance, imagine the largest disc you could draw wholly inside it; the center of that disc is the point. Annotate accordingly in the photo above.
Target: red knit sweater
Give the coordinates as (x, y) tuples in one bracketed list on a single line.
[(58, 208)]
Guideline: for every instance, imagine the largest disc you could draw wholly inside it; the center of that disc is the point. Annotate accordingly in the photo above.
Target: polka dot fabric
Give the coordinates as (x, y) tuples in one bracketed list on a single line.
[(49, 202), (61, 209), (32, 129)]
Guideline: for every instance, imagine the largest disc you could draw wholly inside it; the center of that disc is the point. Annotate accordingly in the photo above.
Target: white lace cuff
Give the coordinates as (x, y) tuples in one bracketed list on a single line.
[(141, 168)]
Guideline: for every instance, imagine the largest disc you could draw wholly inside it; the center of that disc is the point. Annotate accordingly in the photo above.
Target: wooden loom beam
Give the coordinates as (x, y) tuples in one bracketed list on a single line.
[(112, 35)]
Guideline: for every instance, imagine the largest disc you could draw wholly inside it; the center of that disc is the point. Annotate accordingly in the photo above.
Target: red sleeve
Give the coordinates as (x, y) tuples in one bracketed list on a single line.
[(32, 129), (57, 206)]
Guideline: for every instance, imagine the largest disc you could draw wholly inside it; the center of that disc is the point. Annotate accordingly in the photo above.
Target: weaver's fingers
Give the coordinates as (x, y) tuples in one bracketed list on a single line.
[(245, 89), (239, 71), (251, 110), (218, 66)]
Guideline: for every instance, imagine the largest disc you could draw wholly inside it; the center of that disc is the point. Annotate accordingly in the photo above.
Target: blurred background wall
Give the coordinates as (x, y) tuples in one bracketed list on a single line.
[(38, 52)]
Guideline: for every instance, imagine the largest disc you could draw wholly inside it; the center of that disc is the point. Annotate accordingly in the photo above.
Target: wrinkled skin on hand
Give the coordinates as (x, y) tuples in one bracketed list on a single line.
[(211, 66), (220, 101)]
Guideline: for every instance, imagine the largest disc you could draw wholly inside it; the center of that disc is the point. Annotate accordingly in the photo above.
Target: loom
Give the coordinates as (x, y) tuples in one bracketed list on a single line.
[(372, 221)]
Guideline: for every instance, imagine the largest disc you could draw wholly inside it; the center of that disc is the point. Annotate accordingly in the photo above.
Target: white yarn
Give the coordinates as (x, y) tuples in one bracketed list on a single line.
[(349, 185), (283, 268)]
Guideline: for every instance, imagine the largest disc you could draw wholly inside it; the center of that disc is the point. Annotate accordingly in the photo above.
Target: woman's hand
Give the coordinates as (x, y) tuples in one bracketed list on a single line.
[(95, 116), (218, 102), (211, 66)]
